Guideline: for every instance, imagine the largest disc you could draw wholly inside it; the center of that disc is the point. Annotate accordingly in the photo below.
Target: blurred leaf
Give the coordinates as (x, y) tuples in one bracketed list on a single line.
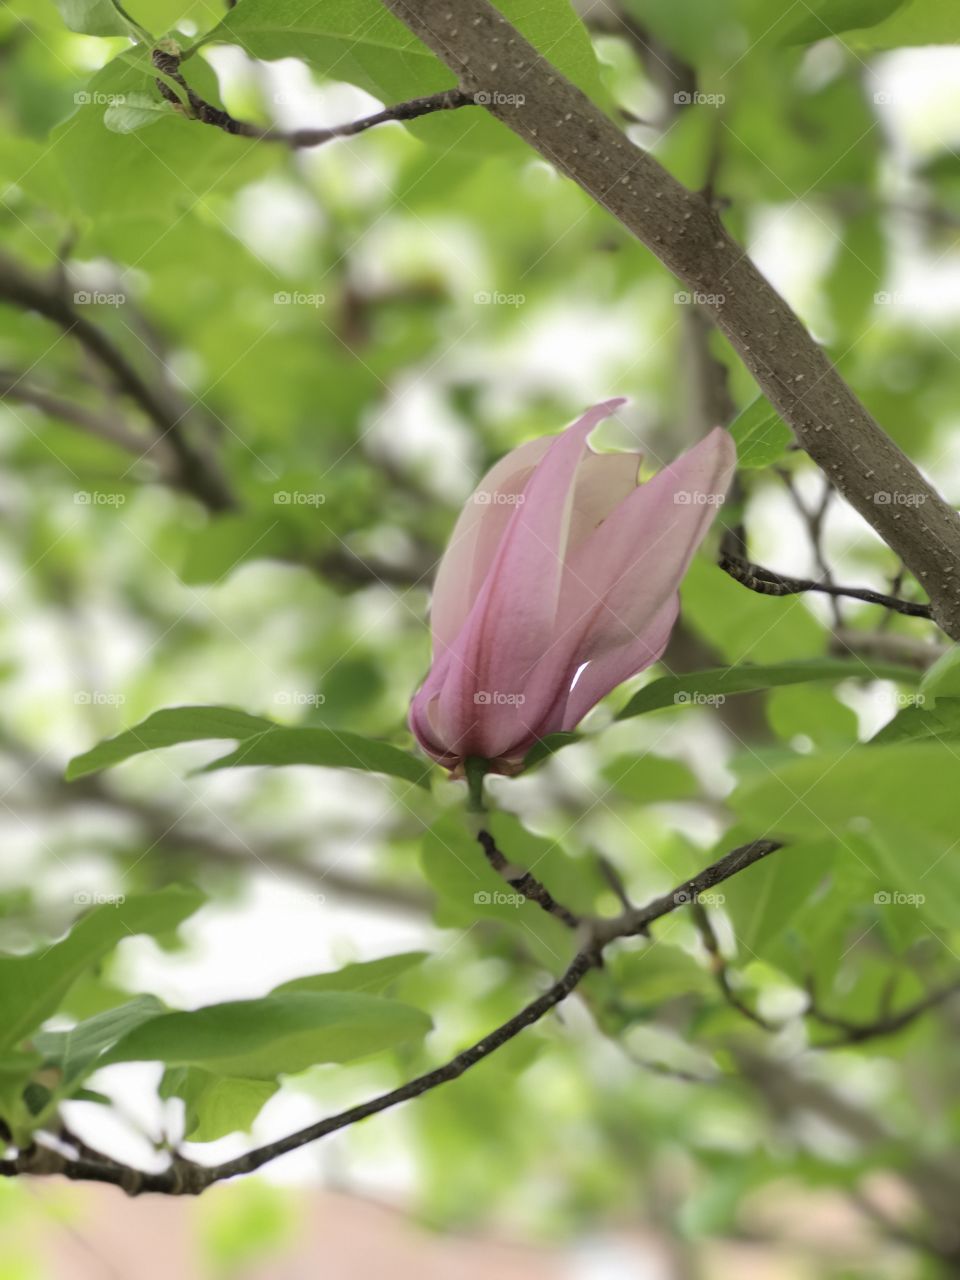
[(939, 722), (31, 987), (649, 779), (913, 23), (216, 1106), (370, 976), (762, 900), (75, 1051), (167, 728), (275, 1035), (943, 678), (330, 748), (699, 688), (760, 434), (97, 18)]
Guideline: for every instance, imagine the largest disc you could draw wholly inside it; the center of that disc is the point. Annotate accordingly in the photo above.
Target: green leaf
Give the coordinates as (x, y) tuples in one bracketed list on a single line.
[(98, 18), (705, 688), (32, 986), (277, 1034), (762, 900), (326, 747), (545, 748), (820, 19), (215, 1105), (943, 678), (939, 722), (136, 111), (370, 976), (914, 23), (75, 1051), (168, 728), (649, 779), (760, 434)]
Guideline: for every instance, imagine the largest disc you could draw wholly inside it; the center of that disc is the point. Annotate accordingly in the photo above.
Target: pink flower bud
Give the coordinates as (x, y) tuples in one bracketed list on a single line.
[(559, 582)]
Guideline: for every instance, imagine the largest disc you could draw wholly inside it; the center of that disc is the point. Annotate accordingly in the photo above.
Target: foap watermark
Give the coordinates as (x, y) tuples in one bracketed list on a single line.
[(493, 99), (495, 698), (696, 699), (98, 698), (497, 299), (297, 298), (98, 298), (498, 898), (696, 297), (898, 498), (685, 897), (493, 498), (93, 898), (698, 99), (296, 698), (909, 699), (298, 498), (895, 898), (697, 498), (97, 498), (84, 98)]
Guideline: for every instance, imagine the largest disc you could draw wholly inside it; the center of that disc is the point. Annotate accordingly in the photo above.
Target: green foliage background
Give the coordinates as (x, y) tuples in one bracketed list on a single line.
[(353, 335)]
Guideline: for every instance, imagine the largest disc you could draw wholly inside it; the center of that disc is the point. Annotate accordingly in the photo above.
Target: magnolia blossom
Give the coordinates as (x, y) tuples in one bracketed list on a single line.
[(560, 581)]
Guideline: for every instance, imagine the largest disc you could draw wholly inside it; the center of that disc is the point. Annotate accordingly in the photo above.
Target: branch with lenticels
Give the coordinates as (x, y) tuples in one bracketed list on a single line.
[(183, 1177), (524, 91)]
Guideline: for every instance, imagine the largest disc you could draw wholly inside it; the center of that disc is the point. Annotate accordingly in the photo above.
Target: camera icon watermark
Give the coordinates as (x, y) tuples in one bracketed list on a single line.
[(494, 498), (483, 98), (98, 298), (683, 98), (696, 297), (296, 698), (98, 698), (498, 898), (89, 898), (97, 498), (496, 698), (894, 898), (694, 698), (898, 498), (698, 498), (298, 498), (496, 298), (296, 298)]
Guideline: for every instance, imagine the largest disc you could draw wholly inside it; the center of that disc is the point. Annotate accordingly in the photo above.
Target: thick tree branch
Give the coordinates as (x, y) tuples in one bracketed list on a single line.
[(768, 583), (185, 1178), (528, 95)]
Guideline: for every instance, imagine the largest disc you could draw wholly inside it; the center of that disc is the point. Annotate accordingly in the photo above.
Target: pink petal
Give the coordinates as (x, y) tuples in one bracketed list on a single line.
[(626, 572), (475, 538), (506, 650), (604, 673)]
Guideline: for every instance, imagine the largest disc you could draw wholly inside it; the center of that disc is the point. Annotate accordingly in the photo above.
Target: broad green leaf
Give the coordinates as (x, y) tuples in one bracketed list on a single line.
[(136, 111), (762, 900), (943, 678), (32, 986), (760, 434), (709, 688), (649, 779), (75, 1051), (924, 722), (167, 728), (820, 19), (327, 747), (275, 1035), (369, 976), (361, 42), (97, 18), (914, 23), (216, 1106), (545, 748)]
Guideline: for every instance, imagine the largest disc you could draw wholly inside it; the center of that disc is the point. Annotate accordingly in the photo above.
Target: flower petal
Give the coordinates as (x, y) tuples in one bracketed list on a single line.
[(621, 578), (505, 651)]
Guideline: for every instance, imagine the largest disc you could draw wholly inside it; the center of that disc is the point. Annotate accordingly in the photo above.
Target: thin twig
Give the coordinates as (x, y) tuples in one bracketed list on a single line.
[(206, 113), (768, 583), (525, 883), (183, 1177)]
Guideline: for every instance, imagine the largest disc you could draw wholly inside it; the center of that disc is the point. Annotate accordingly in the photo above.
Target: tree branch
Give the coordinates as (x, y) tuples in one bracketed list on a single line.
[(207, 113), (768, 583), (528, 95), (196, 472), (183, 1177), (525, 883)]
